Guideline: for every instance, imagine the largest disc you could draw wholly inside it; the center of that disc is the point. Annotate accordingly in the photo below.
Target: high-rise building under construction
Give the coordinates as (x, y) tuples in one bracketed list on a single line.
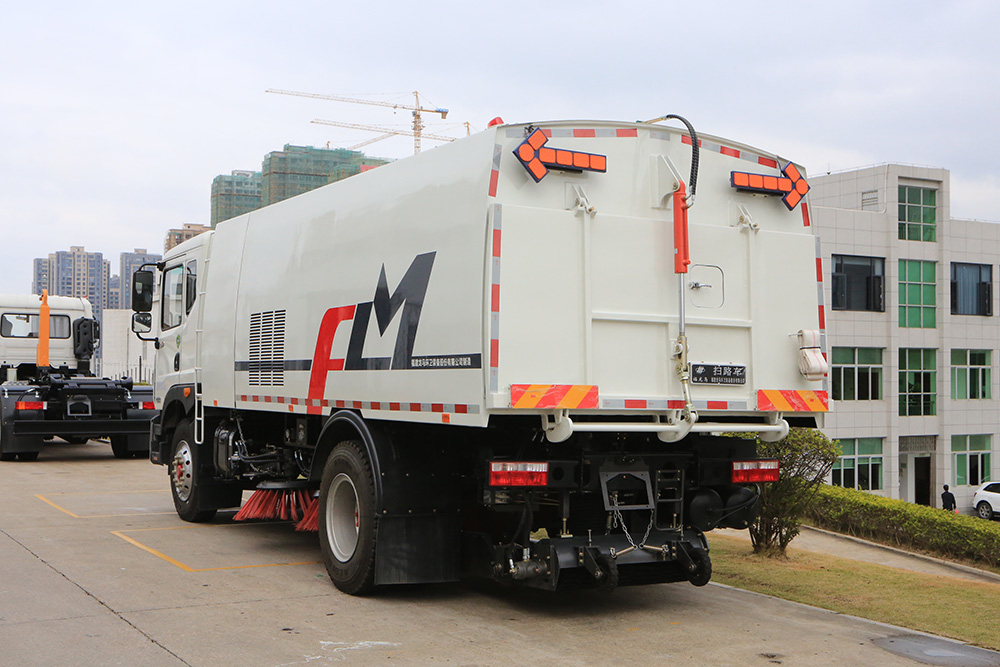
[(235, 194), (298, 169)]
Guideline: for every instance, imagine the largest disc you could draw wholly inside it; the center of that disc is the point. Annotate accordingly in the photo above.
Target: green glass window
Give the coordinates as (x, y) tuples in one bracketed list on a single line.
[(857, 373), (971, 376), (970, 459), (917, 213), (859, 465), (917, 294), (917, 382)]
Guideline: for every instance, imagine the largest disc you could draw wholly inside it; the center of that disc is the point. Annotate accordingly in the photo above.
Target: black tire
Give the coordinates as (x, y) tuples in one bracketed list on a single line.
[(8, 456), (119, 447), (27, 456), (75, 439), (702, 573), (984, 510), (346, 497), (182, 468)]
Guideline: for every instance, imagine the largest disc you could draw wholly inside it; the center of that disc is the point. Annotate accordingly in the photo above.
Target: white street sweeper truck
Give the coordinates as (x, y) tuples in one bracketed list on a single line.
[(516, 356)]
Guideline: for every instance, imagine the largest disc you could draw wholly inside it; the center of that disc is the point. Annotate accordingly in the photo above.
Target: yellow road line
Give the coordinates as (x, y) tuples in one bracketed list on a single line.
[(61, 509), (96, 516), (188, 568), (103, 493)]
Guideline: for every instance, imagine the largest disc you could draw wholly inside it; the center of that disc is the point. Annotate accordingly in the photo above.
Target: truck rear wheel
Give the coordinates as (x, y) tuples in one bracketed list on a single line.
[(183, 469), (119, 447), (347, 519)]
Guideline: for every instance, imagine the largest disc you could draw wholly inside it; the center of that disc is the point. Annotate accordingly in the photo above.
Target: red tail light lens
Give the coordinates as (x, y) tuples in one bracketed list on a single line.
[(29, 405), (518, 473), (763, 470), (148, 405)]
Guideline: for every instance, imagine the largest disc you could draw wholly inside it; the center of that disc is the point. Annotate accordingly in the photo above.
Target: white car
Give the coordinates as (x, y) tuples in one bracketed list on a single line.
[(986, 500)]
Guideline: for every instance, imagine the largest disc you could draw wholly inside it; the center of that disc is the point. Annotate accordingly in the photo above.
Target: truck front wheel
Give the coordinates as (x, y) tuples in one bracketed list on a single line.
[(183, 469), (347, 519)]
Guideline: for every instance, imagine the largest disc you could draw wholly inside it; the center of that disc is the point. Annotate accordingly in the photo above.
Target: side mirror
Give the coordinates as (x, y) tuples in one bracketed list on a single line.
[(142, 295), (142, 323)]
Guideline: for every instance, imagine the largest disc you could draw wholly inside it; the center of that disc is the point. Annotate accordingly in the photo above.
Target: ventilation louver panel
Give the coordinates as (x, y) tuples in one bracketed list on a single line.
[(267, 349)]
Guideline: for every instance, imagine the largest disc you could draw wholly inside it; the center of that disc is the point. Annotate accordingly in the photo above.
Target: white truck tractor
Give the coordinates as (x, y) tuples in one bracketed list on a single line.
[(46, 345), (522, 355)]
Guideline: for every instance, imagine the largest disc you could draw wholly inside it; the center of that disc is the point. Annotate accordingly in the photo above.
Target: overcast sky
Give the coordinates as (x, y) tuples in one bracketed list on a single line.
[(116, 116)]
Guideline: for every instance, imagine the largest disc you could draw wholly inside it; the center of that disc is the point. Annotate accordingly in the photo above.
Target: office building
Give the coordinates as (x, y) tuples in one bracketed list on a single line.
[(913, 331)]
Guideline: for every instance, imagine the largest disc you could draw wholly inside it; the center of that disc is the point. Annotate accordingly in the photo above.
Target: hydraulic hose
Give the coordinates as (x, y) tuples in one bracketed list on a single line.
[(695, 152)]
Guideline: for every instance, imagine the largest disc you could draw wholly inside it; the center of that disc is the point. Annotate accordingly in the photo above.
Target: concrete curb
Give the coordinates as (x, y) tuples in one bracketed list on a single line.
[(990, 576)]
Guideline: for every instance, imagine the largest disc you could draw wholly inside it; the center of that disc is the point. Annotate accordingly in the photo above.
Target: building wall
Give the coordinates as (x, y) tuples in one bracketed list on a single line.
[(857, 213)]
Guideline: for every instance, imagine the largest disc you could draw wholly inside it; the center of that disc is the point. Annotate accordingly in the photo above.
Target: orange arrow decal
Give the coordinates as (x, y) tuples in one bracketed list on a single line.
[(793, 186), (538, 159)]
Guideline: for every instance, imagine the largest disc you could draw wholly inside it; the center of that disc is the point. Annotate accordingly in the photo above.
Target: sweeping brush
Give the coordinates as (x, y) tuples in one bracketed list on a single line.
[(285, 501), (310, 520)]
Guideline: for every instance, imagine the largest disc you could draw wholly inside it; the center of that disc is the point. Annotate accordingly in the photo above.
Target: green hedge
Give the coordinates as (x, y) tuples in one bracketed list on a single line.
[(909, 526)]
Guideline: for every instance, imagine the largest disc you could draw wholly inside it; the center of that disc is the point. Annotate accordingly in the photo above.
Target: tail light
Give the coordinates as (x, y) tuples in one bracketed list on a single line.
[(29, 405), (518, 473), (763, 470), (147, 405)]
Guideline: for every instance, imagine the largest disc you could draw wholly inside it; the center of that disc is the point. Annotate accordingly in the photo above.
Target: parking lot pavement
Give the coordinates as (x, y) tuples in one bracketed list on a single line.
[(97, 569)]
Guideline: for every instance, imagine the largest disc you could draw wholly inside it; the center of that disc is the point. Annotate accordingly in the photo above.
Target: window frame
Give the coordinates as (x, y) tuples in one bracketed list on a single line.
[(917, 213), (970, 378), (845, 292), (169, 300), (848, 378), (917, 294), (967, 455), (60, 331), (983, 299), (917, 367), (190, 285), (866, 467)]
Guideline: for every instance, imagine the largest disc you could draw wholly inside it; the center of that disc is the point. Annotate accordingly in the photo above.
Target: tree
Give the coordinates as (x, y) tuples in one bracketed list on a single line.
[(806, 457)]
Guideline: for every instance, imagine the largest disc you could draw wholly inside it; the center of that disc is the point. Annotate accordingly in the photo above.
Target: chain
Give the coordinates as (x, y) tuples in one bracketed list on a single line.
[(619, 520)]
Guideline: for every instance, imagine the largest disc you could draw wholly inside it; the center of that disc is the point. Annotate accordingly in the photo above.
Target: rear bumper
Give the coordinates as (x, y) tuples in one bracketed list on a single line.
[(136, 423), (568, 562)]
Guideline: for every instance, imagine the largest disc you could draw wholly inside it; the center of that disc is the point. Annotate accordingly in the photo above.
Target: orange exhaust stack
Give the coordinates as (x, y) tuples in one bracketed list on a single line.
[(42, 352)]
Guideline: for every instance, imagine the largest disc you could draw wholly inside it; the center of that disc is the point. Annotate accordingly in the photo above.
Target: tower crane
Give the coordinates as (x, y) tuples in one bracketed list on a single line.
[(386, 131), (417, 109)]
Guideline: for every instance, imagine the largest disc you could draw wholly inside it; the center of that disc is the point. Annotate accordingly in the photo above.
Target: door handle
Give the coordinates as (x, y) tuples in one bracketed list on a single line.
[(177, 361)]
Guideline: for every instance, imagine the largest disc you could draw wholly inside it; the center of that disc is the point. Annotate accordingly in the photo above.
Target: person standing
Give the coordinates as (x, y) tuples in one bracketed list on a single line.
[(948, 501)]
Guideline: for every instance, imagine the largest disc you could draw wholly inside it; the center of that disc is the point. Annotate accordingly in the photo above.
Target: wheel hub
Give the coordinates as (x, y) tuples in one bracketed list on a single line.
[(343, 518), (182, 471)]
